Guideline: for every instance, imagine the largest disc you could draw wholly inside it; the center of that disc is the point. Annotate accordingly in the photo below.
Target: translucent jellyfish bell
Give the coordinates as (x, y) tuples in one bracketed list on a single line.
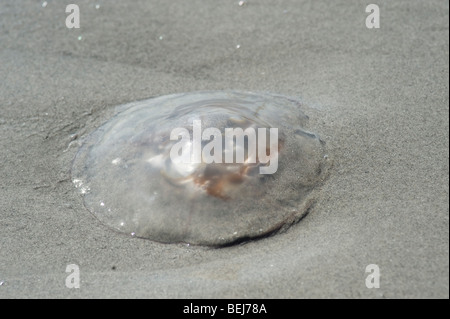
[(129, 179)]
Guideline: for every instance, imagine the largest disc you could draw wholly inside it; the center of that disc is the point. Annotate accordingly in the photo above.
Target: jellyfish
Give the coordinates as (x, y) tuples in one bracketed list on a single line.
[(210, 168)]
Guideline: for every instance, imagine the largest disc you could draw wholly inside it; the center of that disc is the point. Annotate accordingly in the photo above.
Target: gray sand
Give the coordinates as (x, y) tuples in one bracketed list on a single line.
[(378, 97)]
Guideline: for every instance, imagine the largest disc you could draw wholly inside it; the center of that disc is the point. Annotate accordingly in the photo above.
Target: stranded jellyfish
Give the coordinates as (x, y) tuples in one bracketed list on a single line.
[(206, 168)]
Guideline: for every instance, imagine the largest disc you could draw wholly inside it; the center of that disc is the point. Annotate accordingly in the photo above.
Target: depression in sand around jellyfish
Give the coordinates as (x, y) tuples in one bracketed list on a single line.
[(206, 168)]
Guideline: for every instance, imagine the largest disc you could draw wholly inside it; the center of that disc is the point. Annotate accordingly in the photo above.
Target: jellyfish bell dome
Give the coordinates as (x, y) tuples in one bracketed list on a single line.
[(206, 168)]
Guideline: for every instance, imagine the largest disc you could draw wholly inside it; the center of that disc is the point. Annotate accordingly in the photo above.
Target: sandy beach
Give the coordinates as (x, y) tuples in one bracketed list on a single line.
[(378, 97)]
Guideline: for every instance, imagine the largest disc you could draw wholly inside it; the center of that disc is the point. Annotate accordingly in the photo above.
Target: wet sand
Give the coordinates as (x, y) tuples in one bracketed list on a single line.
[(378, 97)]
